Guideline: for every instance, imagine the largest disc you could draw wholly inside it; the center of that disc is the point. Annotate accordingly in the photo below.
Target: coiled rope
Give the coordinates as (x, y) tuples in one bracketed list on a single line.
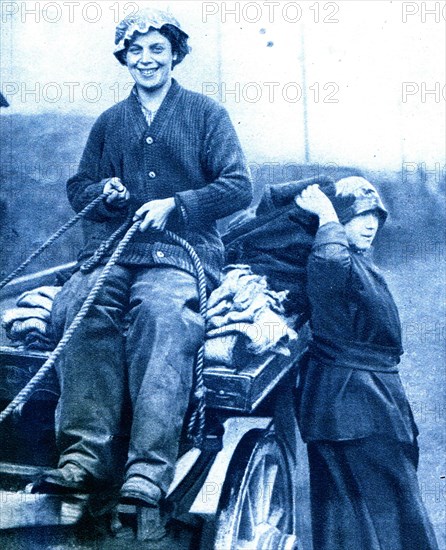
[(197, 421), (52, 239)]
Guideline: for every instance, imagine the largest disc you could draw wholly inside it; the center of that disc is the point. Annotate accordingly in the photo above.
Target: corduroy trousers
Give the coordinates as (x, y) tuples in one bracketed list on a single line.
[(126, 375)]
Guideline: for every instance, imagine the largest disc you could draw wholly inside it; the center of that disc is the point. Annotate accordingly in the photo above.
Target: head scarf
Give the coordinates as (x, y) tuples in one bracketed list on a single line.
[(353, 196), (144, 20)]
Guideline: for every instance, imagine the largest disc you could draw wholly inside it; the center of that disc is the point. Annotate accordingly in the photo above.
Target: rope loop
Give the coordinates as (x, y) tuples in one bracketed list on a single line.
[(197, 422)]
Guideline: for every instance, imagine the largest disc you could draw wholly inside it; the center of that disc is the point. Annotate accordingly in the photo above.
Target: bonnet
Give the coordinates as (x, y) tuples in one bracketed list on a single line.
[(141, 22), (353, 196)]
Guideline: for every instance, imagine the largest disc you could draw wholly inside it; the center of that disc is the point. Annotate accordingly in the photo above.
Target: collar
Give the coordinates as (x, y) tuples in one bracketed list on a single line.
[(148, 114), (162, 116)]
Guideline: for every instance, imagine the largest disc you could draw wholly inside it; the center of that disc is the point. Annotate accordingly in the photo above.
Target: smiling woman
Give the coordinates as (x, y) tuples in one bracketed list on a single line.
[(170, 158), (151, 48), (150, 60), (361, 230)]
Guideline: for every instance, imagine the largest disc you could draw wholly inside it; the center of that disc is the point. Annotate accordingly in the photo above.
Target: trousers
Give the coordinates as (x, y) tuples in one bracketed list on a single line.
[(365, 496), (126, 375)]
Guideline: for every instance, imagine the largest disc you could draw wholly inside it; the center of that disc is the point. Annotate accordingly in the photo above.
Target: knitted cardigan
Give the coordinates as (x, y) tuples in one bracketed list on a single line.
[(190, 152)]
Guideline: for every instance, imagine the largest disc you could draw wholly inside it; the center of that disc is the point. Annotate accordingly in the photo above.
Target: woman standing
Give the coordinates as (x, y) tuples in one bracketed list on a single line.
[(351, 406)]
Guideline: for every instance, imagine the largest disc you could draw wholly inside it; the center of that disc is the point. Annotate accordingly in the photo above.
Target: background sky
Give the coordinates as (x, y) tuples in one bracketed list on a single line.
[(303, 81)]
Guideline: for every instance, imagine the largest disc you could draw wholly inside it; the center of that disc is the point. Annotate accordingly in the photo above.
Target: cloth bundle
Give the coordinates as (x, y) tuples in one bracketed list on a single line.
[(245, 318), (276, 241), (27, 324)]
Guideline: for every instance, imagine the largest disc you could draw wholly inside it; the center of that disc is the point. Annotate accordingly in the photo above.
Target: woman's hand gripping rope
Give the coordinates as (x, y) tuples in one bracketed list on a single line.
[(116, 193)]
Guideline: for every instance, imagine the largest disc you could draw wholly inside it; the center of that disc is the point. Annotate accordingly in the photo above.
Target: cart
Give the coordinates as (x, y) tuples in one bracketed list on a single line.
[(238, 491)]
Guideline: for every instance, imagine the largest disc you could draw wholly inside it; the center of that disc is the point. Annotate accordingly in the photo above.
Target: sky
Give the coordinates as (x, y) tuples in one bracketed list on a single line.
[(352, 82)]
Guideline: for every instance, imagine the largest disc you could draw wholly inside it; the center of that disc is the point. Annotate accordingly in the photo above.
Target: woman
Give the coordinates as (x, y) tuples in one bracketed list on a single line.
[(170, 158), (351, 406)]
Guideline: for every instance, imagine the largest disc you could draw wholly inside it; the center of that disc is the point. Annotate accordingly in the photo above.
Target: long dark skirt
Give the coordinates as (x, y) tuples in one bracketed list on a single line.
[(365, 496)]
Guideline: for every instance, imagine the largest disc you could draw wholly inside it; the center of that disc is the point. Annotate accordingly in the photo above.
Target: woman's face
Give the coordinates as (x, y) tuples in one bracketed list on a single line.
[(149, 60), (361, 230)]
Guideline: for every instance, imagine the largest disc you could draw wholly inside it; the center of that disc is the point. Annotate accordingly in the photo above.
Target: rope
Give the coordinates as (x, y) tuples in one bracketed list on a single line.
[(198, 417), (52, 239), (25, 393), (104, 247)]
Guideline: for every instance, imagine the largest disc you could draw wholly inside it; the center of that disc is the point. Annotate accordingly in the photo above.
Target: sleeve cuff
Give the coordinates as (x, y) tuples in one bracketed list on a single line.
[(181, 210), (189, 203), (330, 233)]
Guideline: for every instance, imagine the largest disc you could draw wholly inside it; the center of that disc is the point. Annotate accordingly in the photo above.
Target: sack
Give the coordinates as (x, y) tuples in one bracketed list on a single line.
[(276, 241)]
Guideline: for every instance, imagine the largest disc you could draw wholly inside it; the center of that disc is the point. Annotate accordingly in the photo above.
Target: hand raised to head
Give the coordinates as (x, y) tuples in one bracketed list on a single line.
[(315, 201)]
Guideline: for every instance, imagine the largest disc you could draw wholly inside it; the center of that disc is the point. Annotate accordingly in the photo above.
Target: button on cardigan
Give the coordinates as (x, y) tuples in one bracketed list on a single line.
[(190, 152)]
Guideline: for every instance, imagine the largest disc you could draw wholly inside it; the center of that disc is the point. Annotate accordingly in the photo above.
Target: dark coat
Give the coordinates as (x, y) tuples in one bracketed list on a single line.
[(350, 387)]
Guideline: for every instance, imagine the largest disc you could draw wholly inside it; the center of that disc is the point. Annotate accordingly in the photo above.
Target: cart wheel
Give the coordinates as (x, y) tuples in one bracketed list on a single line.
[(257, 506)]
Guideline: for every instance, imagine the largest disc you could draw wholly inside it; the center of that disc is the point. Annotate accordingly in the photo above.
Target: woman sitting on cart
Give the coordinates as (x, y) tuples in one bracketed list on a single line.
[(351, 406), (170, 158)]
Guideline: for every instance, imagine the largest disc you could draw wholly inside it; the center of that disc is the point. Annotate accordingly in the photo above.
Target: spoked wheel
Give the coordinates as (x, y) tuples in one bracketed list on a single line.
[(257, 505)]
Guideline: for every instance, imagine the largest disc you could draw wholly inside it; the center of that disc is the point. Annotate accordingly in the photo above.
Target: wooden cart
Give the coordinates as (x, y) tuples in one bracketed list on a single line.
[(240, 490)]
